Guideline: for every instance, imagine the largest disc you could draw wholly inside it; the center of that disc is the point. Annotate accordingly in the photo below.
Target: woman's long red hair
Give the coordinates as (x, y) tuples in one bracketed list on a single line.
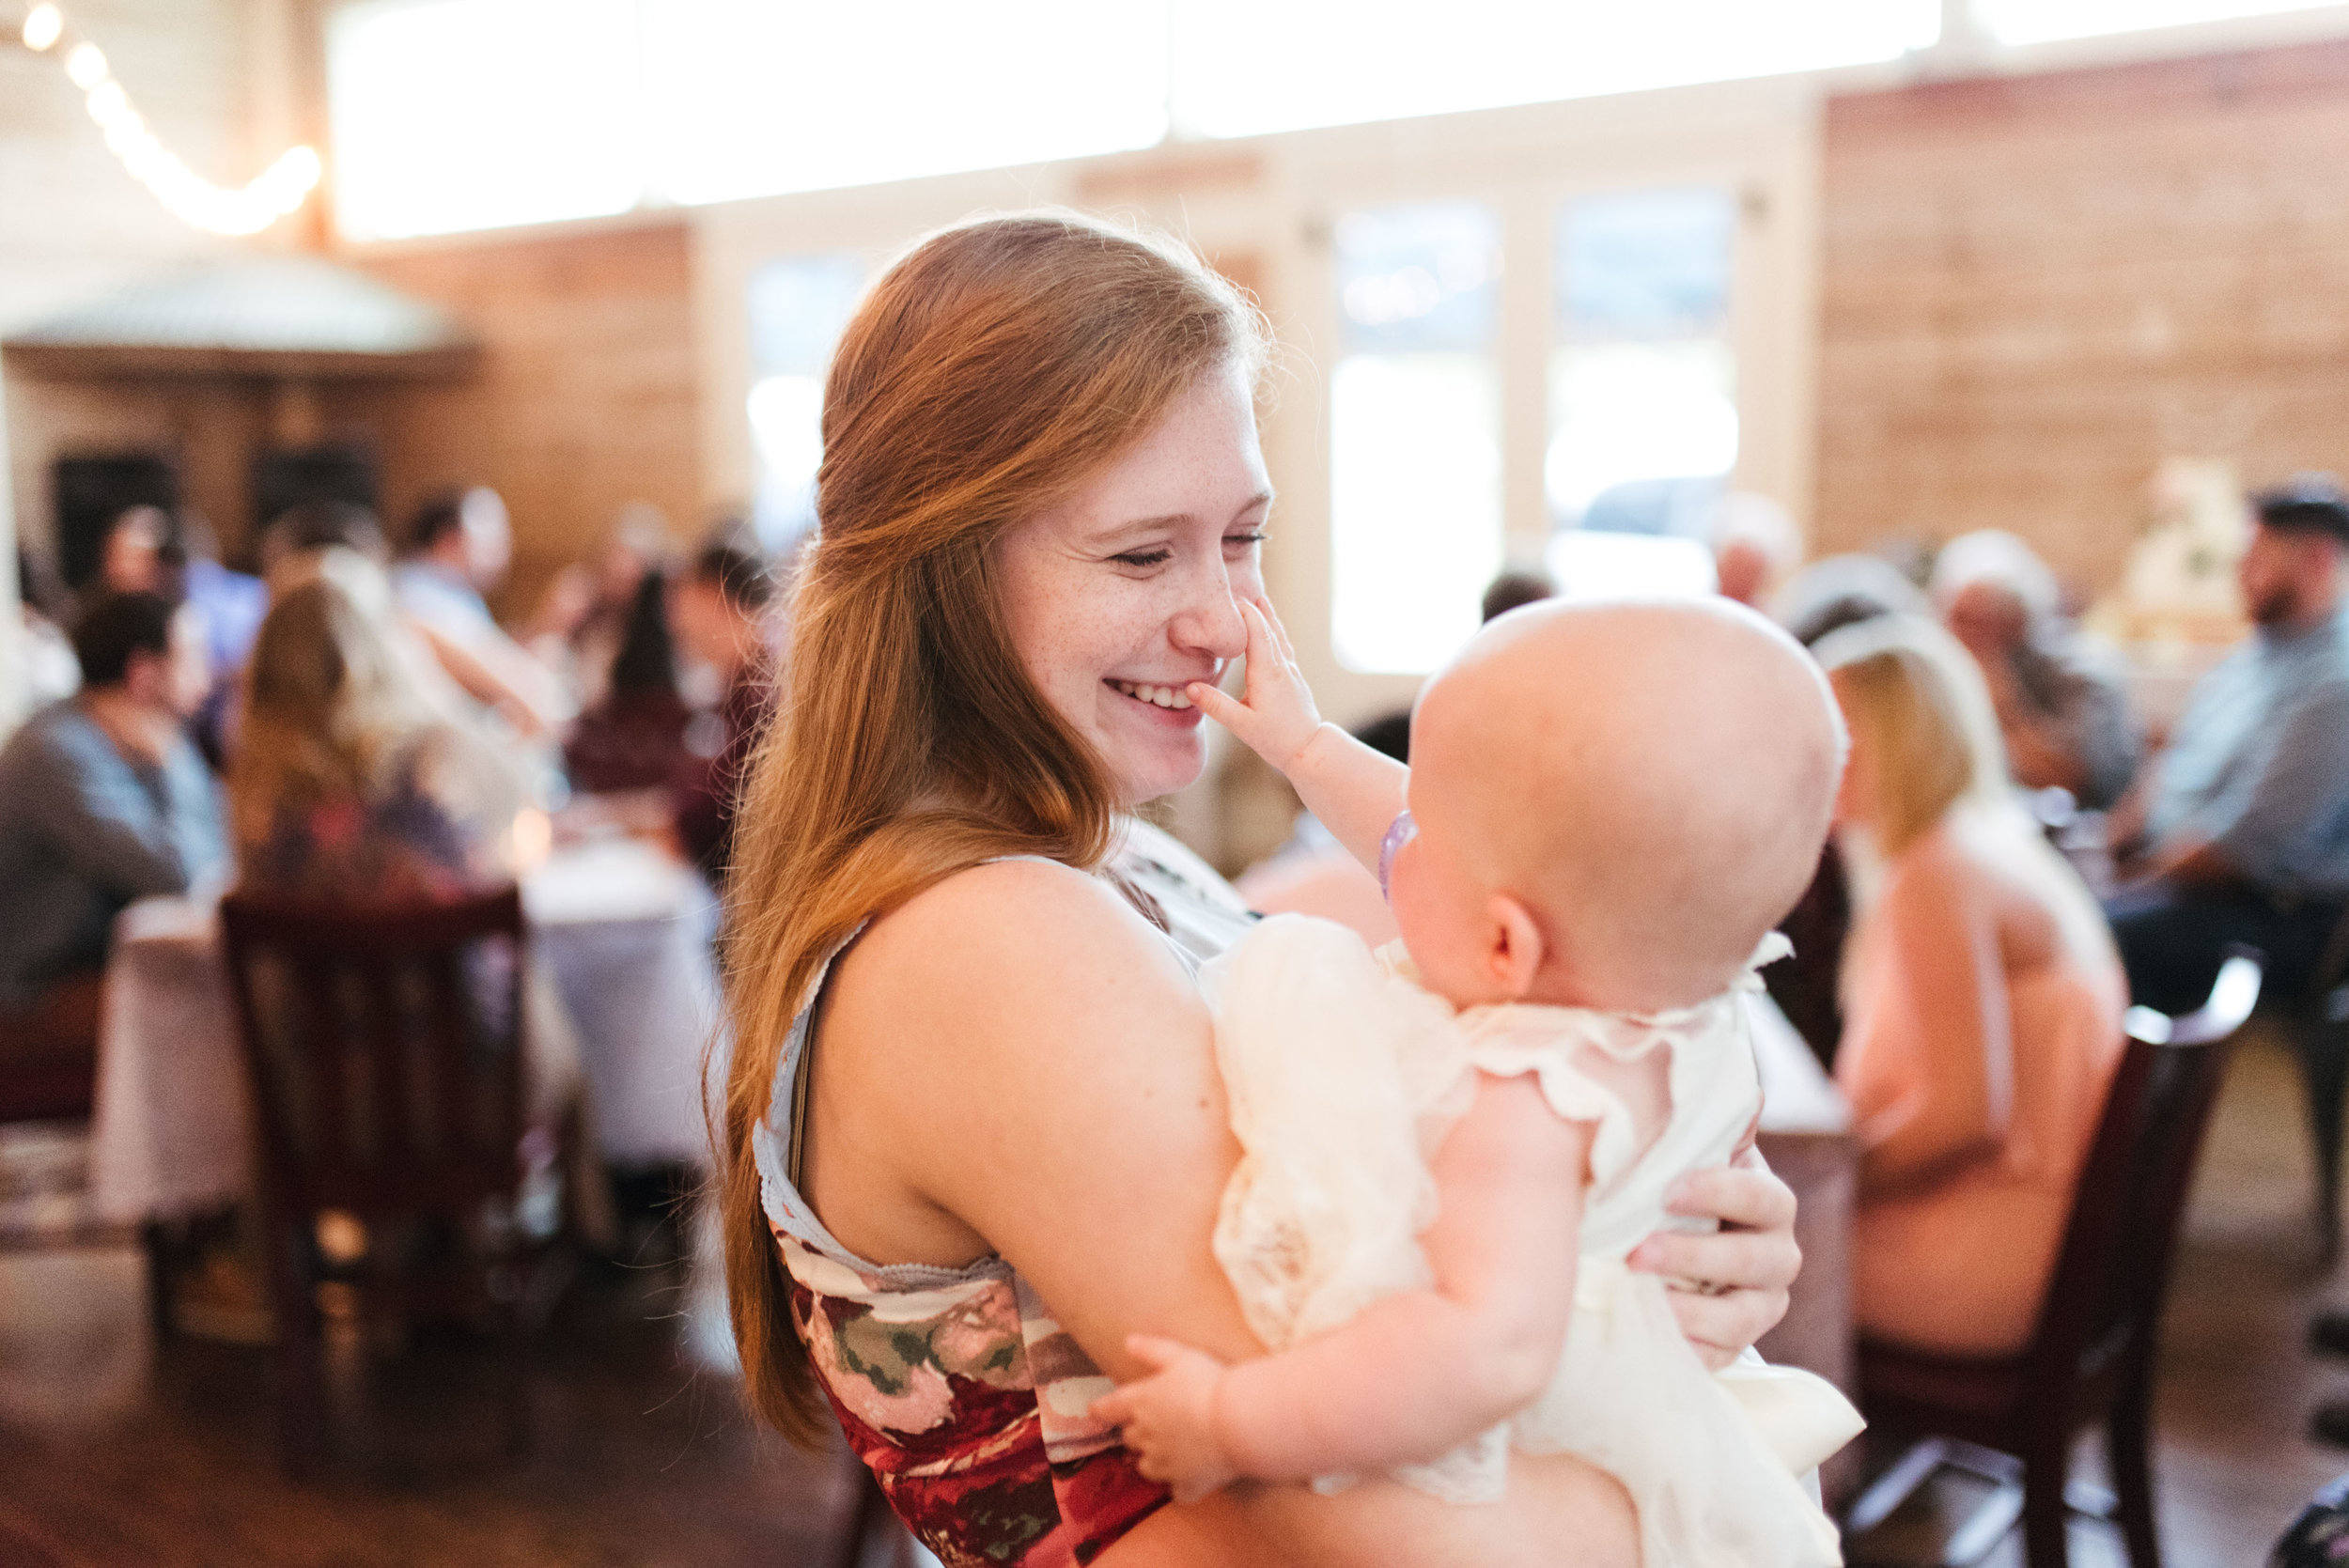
[(994, 368)]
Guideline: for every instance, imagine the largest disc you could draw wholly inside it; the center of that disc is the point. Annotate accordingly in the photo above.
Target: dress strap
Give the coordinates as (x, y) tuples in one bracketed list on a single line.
[(795, 1142)]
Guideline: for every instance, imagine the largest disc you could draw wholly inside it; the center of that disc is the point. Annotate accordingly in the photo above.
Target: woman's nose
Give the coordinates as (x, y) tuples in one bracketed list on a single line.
[(1210, 622)]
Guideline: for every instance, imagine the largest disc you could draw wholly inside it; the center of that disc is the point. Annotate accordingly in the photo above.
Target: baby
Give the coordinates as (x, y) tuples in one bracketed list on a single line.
[(1447, 1156)]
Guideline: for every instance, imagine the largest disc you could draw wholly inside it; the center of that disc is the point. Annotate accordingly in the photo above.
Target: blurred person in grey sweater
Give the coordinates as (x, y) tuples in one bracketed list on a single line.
[(103, 799)]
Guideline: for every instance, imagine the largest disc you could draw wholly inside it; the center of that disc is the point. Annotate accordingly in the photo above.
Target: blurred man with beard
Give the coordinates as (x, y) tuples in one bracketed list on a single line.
[(2242, 831)]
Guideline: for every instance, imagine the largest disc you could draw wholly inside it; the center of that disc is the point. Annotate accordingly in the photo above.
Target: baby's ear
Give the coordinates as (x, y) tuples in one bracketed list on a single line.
[(1516, 951)]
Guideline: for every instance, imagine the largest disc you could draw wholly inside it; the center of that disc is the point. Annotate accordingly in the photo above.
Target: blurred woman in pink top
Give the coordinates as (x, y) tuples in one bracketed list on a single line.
[(1983, 1001)]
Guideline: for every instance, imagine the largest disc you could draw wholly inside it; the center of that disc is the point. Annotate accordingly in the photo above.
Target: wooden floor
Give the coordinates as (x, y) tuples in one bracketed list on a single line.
[(641, 1460), (109, 1456)]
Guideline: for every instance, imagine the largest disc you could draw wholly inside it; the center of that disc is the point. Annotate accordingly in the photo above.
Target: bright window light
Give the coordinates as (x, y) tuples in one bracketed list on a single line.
[(753, 96), (455, 115), (1415, 506), (1642, 381), (1414, 433), (1246, 67), (1636, 411), (798, 305), (1587, 563), (2039, 21), (469, 114)]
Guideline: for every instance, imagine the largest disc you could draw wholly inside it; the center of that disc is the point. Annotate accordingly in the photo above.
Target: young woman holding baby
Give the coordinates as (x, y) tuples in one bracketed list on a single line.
[(994, 1145)]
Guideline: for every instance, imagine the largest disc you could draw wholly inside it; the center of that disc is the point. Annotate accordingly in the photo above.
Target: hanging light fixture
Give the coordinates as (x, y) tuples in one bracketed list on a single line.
[(277, 190)]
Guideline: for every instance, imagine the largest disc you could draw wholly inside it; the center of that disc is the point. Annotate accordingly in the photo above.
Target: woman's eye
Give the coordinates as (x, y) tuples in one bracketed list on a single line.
[(1143, 557), (1244, 540)]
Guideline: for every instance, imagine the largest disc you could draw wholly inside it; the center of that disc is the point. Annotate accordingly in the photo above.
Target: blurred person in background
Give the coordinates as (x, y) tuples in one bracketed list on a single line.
[(2240, 831), (351, 788), (175, 553), (1512, 589), (635, 736), (1754, 545), (586, 611), (460, 546), (348, 782), (102, 801), (1837, 591), (1983, 1004), (43, 609), (2061, 700), (315, 526), (719, 611), (232, 602), (1822, 599), (131, 557)]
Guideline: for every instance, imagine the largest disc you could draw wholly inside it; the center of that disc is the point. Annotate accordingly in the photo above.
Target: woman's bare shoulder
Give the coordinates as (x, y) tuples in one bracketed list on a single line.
[(1016, 946), (1007, 918)]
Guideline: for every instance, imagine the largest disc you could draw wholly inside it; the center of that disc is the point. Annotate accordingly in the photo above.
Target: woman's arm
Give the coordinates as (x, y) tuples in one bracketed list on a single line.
[(1414, 1374), (1957, 1091), (1013, 1060)]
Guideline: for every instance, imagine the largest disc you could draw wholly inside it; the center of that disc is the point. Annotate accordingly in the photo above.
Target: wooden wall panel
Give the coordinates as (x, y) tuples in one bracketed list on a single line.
[(2035, 289), (585, 398)]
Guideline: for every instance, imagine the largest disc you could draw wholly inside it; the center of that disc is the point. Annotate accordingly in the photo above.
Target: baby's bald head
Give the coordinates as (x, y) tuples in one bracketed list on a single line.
[(1651, 779)]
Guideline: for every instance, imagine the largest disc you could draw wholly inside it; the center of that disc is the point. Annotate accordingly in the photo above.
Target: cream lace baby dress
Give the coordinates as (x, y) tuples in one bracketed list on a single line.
[(1343, 1073)]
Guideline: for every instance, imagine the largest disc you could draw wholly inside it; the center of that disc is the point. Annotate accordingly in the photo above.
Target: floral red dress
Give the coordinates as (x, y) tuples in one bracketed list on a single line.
[(954, 1386)]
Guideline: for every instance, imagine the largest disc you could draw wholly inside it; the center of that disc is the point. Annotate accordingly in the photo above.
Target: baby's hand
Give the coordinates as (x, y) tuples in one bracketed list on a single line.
[(1274, 715), (1169, 1417)]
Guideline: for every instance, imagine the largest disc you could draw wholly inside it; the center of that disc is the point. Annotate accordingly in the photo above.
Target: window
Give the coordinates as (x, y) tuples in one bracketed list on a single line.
[(1414, 433), (1245, 68), (474, 114), (753, 97), (469, 114), (1643, 386), (798, 305), (453, 114), (2038, 21)]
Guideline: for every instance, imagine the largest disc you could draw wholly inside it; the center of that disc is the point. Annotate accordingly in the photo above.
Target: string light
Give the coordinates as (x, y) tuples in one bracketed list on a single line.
[(277, 190), (43, 25)]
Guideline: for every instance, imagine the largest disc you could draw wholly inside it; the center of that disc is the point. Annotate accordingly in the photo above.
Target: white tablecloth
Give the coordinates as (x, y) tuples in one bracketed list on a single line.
[(625, 931)]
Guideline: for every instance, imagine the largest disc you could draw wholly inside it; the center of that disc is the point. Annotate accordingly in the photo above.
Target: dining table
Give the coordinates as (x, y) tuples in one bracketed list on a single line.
[(623, 928)]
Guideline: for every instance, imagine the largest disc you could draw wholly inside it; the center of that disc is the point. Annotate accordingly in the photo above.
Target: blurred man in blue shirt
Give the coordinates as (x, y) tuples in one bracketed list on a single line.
[(102, 801), (2246, 821)]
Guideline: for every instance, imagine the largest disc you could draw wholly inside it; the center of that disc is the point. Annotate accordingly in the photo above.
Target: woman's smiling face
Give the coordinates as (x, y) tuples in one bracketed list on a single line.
[(1127, 591)]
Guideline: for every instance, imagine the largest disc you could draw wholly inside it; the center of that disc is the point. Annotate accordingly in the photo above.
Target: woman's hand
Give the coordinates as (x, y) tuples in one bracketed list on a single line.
[(1274, 715), (1728, 1289), (1168, 1418)]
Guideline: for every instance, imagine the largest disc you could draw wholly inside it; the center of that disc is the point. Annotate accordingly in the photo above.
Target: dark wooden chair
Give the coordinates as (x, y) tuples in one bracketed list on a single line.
[(2011, 1421), (2317, 1022), (49, 1057), (385, 1052)]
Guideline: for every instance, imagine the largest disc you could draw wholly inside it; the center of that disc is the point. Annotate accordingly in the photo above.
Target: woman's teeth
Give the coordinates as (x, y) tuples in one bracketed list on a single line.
[(1161, 696)]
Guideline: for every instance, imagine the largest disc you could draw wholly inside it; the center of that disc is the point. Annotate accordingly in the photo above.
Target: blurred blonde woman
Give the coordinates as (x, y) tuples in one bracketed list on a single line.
[(350, 785), (349, 782), (1982, 999)]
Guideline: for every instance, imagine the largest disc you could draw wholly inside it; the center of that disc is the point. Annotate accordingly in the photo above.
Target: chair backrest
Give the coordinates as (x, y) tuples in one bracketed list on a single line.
[(2104, 1301), (384, 1047)]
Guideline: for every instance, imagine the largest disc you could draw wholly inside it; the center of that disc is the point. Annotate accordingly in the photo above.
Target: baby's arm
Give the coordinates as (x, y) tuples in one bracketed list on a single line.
[(1413, 1374), (1353, 791)]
